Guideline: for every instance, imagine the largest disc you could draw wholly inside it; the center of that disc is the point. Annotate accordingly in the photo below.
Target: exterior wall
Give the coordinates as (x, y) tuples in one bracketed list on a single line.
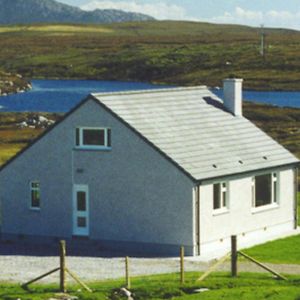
[(136, 195), (250, 225)]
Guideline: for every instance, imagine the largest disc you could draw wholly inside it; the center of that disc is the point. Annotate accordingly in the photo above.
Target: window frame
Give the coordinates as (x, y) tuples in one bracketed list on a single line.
[(79, 138), (275, 196), (31, 189), (223, 190)]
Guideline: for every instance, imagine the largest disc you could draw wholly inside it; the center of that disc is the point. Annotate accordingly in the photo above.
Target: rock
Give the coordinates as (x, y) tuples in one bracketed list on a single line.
[(201, 290), (22, 124), (125, 292), (19, 75)]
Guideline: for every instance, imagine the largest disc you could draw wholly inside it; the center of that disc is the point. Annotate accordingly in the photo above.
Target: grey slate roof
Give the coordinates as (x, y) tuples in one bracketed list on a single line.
[(191, 127)]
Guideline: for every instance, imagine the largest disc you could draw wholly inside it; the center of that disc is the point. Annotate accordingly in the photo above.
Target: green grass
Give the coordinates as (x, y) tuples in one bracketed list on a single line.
[(281, 251), (220, 285), (185, 53)]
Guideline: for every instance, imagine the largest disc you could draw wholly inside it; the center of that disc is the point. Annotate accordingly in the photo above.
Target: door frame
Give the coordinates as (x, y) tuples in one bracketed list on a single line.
[(76, 231)]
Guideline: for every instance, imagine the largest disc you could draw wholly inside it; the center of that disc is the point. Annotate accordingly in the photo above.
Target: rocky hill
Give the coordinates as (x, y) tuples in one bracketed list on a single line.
[(51, 11), (12, 83)]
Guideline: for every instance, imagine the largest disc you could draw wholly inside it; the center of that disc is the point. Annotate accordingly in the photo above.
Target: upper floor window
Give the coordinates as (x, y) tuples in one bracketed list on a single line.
[(220, 195), (93, 138), (35, 195), (264, 189)]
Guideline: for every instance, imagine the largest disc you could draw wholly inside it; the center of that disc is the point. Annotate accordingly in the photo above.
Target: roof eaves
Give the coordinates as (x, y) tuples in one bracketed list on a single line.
[(219, 177)]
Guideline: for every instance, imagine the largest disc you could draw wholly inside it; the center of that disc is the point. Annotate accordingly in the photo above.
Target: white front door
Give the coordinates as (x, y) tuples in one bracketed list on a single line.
[(81, 210)]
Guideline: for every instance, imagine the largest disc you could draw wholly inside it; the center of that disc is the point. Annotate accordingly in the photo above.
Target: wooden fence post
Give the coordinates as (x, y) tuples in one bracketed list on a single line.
[(128, 285), (62, 266), (182, 265), (234, 256)]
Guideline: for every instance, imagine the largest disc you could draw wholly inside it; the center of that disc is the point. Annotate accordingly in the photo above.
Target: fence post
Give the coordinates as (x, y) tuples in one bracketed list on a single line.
[(128, 285), (182, 265), (234, 256), (62, 266)]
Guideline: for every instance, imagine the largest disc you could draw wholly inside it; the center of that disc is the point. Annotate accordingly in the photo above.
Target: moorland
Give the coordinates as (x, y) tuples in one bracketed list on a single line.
[(183, 53)]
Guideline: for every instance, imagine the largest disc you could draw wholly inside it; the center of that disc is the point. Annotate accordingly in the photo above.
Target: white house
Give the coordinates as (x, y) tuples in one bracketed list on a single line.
[(151, 171)]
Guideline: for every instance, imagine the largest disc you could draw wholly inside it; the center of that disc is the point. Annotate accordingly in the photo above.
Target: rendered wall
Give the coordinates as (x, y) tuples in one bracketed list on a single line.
[(251, 226), (136, 195)]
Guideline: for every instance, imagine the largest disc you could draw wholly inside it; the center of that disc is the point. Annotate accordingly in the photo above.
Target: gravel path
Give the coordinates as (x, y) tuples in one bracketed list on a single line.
[(23, 268)]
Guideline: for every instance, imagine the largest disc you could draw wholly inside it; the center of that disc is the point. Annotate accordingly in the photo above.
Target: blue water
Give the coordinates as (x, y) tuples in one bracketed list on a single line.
[(62, 95), (282, 99)]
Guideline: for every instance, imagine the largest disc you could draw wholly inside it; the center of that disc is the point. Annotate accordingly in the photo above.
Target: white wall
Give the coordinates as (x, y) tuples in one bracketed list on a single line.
[(136, 194), (241, 219)]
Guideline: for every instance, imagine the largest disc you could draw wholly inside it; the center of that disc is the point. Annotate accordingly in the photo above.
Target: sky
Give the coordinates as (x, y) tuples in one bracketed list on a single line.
[(270, 13)]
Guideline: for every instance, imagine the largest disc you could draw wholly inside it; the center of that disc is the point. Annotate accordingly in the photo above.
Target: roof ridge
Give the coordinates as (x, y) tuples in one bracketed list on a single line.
[(150, 91)]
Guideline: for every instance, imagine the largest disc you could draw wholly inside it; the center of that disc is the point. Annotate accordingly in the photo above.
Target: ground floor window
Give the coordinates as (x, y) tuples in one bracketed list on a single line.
[(264, 189), (35, 195), (220, 195)]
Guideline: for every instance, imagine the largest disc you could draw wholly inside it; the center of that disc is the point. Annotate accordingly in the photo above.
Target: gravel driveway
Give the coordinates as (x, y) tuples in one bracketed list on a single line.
[(21, 266)]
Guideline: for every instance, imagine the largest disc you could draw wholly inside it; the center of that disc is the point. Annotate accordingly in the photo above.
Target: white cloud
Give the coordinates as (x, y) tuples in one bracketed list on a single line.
[(160, 11), (272, 18)]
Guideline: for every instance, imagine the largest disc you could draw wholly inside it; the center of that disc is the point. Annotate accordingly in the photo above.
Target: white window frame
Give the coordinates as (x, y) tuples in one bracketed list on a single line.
[(224, 203), (274, 193), (34, 189), (106, 130)]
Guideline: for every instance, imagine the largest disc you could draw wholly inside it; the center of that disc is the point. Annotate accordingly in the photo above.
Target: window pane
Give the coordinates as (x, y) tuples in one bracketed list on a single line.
[(77, 137), (81, 222), (275, 200), (263, 193), (217, 196), (94, 137), (224, 204), (81, 201), (35, 198), (108, 138), (35, 185)]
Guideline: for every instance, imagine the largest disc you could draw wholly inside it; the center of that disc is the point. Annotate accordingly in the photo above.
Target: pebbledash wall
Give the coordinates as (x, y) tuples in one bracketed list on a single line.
[(251, 225), (138, 199)]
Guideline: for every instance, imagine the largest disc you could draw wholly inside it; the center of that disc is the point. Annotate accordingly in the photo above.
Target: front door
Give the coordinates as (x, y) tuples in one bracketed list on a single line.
[(81, 210)]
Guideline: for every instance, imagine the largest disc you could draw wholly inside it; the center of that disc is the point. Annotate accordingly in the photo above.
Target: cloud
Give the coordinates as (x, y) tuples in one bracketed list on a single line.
[(160, 10), (270, 18)]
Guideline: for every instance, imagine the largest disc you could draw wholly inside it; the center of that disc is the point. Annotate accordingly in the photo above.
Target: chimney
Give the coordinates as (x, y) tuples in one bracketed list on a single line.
[(232, 88)]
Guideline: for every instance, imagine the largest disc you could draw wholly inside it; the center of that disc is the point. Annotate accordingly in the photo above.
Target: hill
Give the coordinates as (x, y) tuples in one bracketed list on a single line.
[(184, 53), (50, 11)]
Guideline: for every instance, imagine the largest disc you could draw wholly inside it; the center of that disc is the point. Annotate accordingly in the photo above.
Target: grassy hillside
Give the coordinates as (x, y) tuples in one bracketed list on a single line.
[(184, 53)]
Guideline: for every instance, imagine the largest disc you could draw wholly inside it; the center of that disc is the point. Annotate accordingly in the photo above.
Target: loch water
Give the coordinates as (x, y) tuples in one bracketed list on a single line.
[(63, 95)]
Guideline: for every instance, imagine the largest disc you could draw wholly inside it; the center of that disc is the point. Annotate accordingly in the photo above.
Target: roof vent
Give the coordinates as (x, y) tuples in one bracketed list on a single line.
[(265, 158), (232, 88), (215, 166)]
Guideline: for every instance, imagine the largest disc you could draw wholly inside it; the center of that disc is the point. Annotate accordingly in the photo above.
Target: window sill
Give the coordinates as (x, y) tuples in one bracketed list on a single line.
[(92, 148), (220, 211), (35, 208), (264, 208)]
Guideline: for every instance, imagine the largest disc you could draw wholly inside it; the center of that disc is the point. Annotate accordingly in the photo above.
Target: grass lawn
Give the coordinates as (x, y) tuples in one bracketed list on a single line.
[(280, 251), (220, 285)]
